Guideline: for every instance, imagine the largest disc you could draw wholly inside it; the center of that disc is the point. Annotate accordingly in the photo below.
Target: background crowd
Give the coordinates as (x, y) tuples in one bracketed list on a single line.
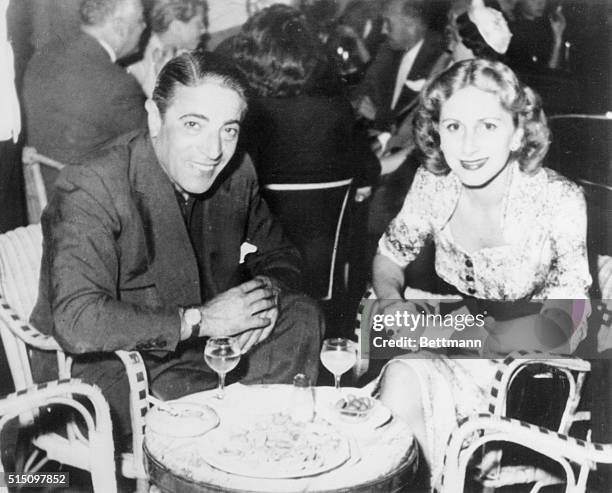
[(341, 92)]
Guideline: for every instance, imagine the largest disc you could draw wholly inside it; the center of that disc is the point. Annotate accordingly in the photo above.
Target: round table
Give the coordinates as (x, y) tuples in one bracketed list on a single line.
[(385, 459)]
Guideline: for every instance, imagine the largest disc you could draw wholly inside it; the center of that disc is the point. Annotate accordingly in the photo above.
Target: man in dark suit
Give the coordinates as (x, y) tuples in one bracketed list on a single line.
[(76, 98), (143, 247), (401, 66)]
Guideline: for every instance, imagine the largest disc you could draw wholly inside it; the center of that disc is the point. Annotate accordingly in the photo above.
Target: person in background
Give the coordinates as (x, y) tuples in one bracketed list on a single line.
[(226, 17), (76, 98), (176, 26), (355, 39), (11, 191), (300, 128), (504, 229), (507, 7), (478, 32), (162, 240), (401, 66), (537, 41)]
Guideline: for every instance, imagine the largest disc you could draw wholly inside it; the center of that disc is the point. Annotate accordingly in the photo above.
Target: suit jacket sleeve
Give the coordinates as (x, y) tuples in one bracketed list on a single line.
[(125, 106), (276, 257), (82, 263)]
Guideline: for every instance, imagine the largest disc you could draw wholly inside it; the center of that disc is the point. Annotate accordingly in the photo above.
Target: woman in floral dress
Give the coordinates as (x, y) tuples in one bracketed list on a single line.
[(504, 228)]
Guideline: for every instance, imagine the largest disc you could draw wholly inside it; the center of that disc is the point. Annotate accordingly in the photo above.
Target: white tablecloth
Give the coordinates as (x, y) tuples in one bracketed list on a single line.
[(378, 450)]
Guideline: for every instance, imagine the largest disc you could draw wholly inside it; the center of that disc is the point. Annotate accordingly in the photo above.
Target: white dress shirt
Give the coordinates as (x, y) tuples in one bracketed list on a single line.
[(108, 48), (10, 116), (404, 69)]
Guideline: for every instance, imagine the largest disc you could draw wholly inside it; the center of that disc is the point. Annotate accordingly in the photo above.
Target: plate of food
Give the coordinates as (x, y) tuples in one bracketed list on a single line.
[(276, 447), (181, 419)]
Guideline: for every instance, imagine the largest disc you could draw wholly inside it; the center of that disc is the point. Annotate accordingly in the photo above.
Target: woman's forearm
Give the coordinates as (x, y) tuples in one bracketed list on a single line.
[(387, 278), (555, 56), (531, 333)]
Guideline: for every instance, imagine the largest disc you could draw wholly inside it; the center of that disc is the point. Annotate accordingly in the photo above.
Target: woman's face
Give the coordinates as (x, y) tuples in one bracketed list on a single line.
[(187, 34), (477, 135)]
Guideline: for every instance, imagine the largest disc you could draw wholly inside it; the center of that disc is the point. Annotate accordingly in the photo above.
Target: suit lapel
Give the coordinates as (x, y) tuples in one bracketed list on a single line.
[(421, 69), (171, 255), (91, 48), (389, 76)]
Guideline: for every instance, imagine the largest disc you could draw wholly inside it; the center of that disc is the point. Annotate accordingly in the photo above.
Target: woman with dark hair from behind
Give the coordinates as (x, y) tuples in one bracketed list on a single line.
[(300, 128)]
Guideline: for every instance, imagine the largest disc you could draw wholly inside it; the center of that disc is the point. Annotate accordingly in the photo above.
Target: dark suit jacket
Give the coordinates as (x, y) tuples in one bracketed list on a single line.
[(379, 81), (117, 258), (308, 139), (76, 100)]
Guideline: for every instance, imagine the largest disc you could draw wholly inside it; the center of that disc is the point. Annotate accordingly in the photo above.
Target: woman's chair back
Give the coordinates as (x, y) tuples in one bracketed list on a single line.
[(312, 216)]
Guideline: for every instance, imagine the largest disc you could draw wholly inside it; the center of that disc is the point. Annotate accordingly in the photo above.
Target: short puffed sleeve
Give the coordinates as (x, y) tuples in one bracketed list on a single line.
[(407, 233)]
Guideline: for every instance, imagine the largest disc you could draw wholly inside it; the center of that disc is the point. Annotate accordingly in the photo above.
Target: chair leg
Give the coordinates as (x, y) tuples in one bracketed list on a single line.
[(142, 485)]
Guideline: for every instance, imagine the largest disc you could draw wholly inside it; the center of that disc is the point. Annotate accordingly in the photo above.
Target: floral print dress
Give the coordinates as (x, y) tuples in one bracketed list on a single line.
[(543, 257)]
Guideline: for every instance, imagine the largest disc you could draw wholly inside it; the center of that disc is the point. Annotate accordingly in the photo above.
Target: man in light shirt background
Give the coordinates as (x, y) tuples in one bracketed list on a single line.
[(401, 65)]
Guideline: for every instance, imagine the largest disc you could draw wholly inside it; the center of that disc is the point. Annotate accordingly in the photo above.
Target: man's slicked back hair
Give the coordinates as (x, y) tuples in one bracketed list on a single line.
[(193, 68)]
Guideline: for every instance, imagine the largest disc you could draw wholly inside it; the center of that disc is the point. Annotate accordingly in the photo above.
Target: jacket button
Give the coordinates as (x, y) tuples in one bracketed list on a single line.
[(469, 278), (468, 263), (471, 290)]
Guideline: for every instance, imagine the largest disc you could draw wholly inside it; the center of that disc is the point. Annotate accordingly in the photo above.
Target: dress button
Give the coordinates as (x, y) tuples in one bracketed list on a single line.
[(471, 290), (468, 263), (469, 278)]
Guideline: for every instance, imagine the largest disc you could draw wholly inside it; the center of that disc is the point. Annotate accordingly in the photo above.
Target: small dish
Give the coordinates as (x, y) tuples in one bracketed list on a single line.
[(355, 409), (181, 419)]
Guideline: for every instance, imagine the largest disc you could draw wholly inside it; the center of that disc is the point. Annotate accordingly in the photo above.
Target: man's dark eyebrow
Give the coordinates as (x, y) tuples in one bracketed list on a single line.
[(194, 115), (203, 117)]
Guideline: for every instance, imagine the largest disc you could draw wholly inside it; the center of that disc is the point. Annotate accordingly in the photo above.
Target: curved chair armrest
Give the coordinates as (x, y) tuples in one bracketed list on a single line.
[(24, 331), (100, 436), (517, 361), (139, 405), (30, 156), (489, 428), (363, 341)]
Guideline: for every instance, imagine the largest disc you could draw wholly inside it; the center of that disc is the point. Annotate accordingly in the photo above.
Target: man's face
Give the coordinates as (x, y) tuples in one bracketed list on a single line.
[(130, 17), (403, 32), (197, 136)]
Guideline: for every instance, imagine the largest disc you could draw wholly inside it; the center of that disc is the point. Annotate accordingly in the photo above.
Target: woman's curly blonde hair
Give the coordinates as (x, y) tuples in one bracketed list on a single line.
[(491, 76)]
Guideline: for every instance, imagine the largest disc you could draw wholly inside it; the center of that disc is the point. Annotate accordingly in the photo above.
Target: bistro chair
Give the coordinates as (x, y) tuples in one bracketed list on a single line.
[(466, 440), (312, 216), (580, 146), (35, 191), (20, 254), (572, 454), (96, 453)]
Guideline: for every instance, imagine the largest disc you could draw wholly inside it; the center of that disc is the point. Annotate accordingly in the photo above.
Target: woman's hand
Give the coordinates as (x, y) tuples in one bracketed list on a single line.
[(363, 193), (558, 24)]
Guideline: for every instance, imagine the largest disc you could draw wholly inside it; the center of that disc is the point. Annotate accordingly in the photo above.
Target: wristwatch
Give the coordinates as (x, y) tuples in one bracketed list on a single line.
[(193, 319)]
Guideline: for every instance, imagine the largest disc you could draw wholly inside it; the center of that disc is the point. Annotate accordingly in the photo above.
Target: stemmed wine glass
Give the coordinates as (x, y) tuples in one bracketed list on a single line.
[(338, 355), (222, 354)]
